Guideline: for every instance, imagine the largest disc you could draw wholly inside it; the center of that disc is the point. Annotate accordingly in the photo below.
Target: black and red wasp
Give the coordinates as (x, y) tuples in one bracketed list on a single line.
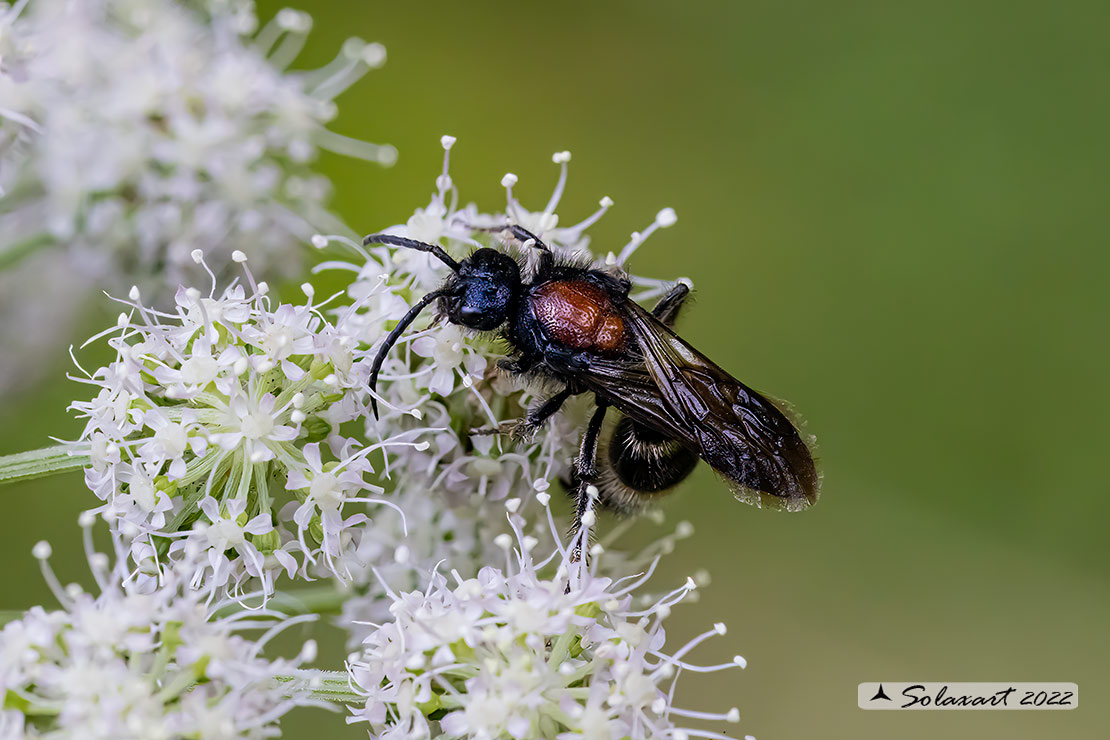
[(574, 326)]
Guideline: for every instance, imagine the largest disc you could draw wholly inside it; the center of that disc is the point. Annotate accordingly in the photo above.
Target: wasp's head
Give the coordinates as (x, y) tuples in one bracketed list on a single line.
[(483, 291)]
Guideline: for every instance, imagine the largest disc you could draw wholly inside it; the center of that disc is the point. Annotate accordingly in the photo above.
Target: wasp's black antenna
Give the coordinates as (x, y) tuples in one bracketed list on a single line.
[(519, 233), (400, 241), (398, 330), (526, 238)]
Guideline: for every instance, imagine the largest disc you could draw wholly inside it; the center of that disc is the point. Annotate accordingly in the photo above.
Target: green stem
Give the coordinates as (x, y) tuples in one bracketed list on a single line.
[(39, 463), (324, 599), (327, 685), (14, 253)]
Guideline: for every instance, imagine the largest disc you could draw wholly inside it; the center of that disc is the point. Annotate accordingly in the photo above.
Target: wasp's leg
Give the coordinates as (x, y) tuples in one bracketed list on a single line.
[(585, 470), (516, 367), (526, 428), (666, 310)]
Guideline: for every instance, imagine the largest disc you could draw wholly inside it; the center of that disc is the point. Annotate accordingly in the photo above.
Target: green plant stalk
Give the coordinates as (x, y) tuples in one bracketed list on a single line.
[(15, 253), (324, 599), (327, 685), (40, 463)]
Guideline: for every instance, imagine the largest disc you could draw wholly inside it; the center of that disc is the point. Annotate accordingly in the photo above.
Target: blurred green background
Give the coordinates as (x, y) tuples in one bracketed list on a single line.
[(894, 216)]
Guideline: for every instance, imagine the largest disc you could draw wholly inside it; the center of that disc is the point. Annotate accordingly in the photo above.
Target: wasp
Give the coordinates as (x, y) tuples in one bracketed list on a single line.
[(573, 325)]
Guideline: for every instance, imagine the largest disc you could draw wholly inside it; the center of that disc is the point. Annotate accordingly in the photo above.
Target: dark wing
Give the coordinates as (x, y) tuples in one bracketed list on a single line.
[(742, 435)]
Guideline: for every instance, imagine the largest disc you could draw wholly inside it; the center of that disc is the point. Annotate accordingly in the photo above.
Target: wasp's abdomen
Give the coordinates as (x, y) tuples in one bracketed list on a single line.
[(579, 315)]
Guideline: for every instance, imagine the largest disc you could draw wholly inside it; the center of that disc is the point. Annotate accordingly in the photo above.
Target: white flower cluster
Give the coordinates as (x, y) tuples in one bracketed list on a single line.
[(450, 378), (142, 660), (231, 440), (221, 422), (135, 131), (540, 648)]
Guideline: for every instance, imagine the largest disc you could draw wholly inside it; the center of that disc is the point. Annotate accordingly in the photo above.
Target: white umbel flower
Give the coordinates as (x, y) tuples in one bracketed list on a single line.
[(143, 660), (219, 426), (441, 377), (541, 647), (134, 131)]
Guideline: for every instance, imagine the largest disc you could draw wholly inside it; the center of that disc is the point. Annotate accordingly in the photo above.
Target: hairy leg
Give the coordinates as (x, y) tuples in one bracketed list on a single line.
[(585, 470), (666, 310)]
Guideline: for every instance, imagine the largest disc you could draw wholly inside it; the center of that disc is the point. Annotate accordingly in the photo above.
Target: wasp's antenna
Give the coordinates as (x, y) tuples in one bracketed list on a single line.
[(400, 241), (394, 335), (522, 235)]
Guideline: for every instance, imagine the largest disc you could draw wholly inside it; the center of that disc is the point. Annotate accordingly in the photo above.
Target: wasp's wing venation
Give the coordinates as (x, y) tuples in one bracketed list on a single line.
[(741, 434), (627, 386)]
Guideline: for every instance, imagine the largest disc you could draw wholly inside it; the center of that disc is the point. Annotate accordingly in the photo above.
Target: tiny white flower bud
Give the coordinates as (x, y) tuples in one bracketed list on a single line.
[(666, 218), (740, 660), (294, 21), (560, 157), (319, 241), (41, 550), (374, 55), (508, 180), (387, 155), (239, 256), (447, 142)]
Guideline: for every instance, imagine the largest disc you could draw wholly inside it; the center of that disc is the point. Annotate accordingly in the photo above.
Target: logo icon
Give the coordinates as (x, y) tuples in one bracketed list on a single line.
[(880, 694)]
